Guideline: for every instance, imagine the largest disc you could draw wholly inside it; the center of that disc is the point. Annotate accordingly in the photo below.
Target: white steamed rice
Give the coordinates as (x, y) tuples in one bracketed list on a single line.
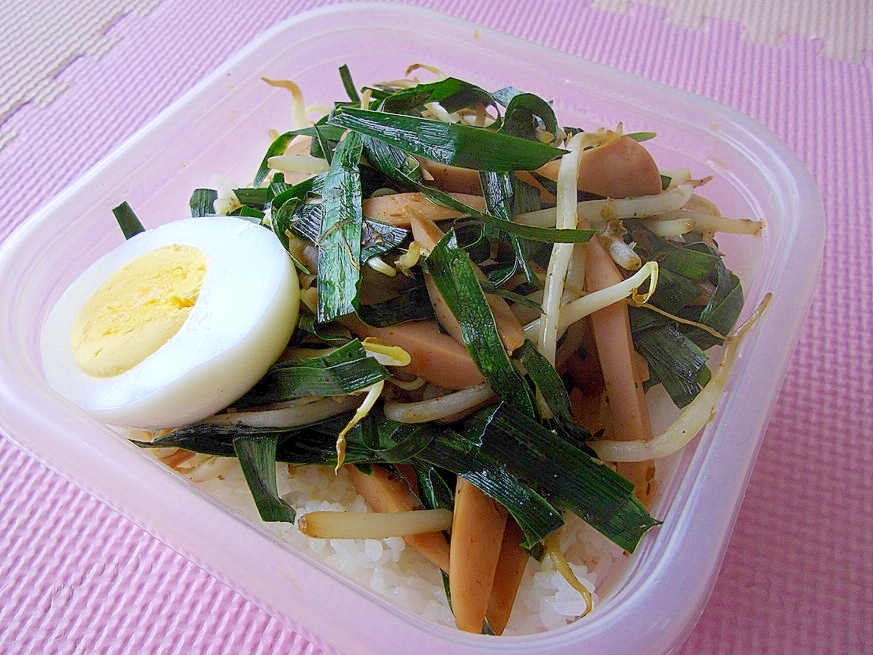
[(545, 600)]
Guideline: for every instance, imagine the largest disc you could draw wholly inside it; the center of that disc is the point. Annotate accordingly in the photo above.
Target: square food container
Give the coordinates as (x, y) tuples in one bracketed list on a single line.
[(220, 129)]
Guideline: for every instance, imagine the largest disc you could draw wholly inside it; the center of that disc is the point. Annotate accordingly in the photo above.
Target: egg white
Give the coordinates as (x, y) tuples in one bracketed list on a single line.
[(241, 322)]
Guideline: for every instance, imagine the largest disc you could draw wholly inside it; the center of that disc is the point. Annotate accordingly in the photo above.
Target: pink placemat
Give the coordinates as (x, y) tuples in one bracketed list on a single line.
[(75, 577)]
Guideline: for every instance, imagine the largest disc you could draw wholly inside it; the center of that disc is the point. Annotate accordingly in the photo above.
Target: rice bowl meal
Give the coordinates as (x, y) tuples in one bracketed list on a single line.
[(204, 342), (430, 343)]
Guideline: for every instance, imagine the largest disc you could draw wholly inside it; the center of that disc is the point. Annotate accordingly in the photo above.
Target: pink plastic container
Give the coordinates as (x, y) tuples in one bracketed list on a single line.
[(220, 128)]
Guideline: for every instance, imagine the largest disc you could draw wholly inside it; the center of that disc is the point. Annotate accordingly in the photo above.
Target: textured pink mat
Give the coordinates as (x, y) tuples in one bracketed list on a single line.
[(798, 577)]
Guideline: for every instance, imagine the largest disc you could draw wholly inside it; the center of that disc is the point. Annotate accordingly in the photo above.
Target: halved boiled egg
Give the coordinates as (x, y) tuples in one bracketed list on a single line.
[(174, 324)]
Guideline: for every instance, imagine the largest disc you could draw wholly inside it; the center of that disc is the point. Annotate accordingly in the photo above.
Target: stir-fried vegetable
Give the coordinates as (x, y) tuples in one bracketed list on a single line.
[(489, 252)]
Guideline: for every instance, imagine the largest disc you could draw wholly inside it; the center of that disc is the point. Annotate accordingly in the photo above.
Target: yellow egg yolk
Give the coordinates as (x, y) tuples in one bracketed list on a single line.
[(137, 310)]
